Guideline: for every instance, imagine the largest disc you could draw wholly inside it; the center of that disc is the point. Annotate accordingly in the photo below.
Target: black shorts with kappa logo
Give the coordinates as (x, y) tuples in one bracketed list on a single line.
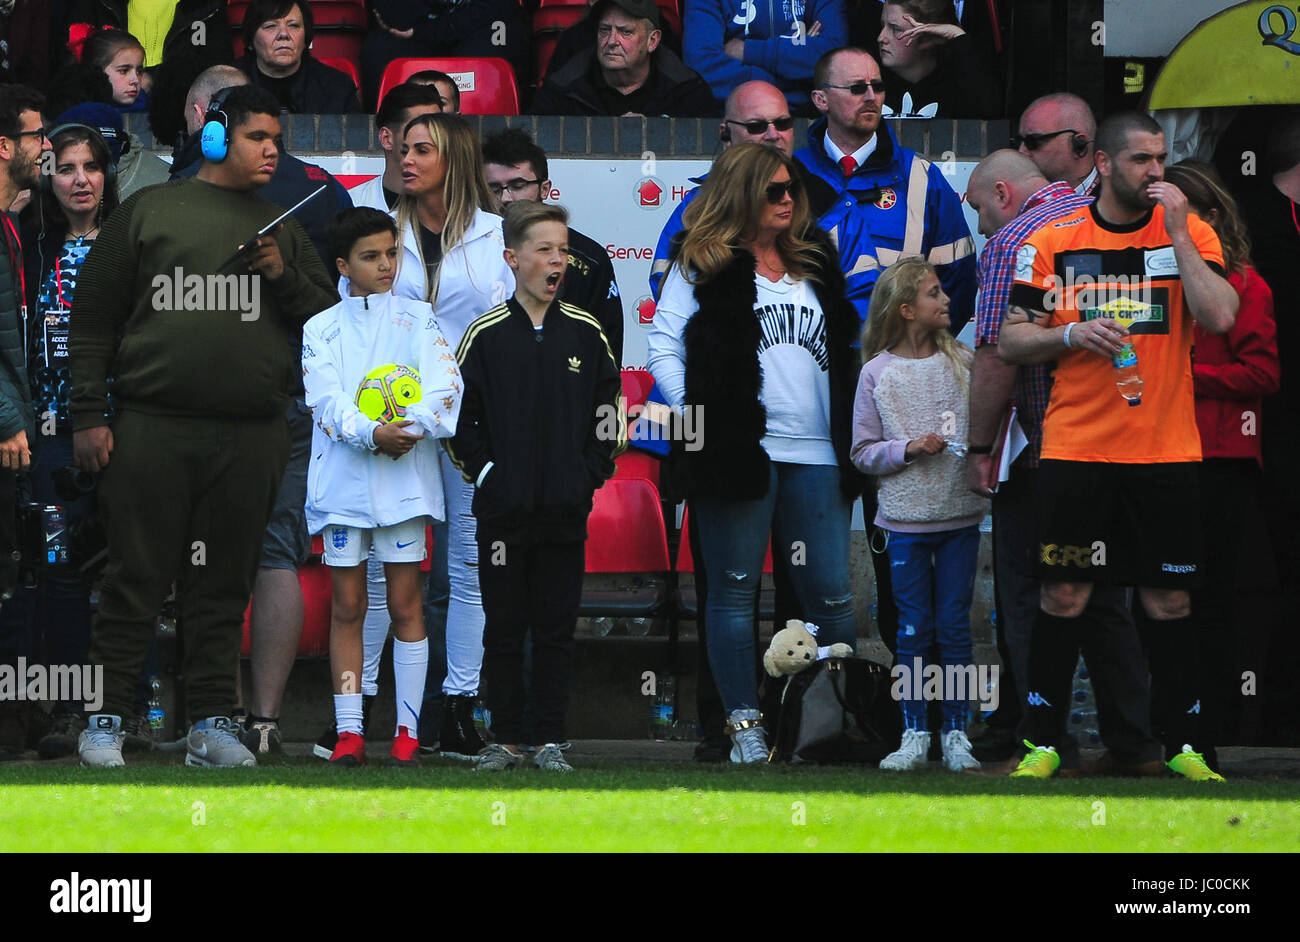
[(1123, 524)]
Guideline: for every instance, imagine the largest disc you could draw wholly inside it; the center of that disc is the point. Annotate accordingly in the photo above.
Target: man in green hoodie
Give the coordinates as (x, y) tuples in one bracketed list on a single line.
[(199, 342)]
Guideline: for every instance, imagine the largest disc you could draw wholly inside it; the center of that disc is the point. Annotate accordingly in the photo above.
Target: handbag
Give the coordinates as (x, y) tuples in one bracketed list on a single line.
[(839, 710)]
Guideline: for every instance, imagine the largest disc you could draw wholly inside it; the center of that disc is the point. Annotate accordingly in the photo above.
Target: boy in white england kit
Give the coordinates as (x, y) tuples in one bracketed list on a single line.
[(371, 481)]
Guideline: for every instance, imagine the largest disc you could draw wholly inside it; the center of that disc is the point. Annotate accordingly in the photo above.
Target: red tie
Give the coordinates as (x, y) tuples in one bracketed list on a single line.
[(848, 165)]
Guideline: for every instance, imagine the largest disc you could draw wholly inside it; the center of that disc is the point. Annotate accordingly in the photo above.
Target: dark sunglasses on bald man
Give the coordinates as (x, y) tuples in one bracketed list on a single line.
[(1035, 141), (877, 87), (759, 126), (776, 191)]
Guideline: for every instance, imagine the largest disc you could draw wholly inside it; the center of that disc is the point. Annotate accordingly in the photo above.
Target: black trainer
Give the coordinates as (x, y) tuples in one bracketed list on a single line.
[(139, 735), (430, 741), (458, 736), (61, 739), (323, 748), (714, 748)]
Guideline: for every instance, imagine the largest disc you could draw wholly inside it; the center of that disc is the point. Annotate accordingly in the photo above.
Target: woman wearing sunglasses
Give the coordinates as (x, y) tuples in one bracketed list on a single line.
[(752, 332)]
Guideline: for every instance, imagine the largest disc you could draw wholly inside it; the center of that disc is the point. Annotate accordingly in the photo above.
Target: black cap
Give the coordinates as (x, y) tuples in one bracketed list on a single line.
[(645, 9)]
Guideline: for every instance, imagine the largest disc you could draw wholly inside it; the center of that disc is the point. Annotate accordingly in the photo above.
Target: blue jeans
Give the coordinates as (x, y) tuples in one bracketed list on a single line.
[(808, 518), (934, 580)]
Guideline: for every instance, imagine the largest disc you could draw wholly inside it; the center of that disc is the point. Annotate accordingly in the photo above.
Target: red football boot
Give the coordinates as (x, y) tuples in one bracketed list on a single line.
[(350, 750)]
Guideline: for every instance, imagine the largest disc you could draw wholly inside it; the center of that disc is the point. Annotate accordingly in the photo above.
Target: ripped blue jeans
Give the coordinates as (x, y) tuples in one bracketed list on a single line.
[(808, 517), (933, 575)]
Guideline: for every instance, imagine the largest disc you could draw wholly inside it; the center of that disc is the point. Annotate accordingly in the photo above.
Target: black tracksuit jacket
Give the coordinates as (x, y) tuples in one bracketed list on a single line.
[(546, 409)]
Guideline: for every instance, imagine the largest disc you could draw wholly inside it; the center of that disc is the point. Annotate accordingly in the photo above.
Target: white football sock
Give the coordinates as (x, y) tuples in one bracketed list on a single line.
[(410, 663), (347, 713)]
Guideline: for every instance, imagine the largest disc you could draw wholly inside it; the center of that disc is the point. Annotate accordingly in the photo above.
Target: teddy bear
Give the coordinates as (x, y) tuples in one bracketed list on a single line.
[(795, 647)]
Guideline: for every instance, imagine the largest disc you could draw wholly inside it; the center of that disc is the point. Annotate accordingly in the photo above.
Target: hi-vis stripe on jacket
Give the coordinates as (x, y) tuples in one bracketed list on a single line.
[(541, 421)]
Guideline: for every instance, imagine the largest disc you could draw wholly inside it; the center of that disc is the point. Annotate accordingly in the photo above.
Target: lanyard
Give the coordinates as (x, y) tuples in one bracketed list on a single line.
[(15, 246), (58, 284)]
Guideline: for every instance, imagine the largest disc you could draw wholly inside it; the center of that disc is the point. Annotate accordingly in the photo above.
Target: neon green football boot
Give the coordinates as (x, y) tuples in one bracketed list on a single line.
[(1040, 762)]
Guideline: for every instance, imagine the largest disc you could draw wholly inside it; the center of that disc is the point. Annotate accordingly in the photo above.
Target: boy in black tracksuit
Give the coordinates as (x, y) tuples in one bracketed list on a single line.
[(542, 418)]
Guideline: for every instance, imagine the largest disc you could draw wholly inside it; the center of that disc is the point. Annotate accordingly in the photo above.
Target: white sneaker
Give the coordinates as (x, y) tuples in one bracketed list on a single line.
[(956, 751), (748, 741), (100, 743), (911, 754), (212, 744)]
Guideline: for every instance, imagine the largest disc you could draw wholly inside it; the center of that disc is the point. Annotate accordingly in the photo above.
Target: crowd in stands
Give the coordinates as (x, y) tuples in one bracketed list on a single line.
[(615, 57), (210, 385)]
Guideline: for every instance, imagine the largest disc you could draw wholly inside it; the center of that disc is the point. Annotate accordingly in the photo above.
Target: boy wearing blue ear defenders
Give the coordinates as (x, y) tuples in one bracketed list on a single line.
[(196, 452)]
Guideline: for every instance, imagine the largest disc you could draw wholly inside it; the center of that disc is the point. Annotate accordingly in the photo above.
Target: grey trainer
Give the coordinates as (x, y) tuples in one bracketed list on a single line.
[(212, 744), (549, 758), (497, 758), (100, 744)]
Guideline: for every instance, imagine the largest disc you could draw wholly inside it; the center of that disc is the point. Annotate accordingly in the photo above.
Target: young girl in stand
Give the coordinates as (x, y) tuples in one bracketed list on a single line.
[(909, 432)]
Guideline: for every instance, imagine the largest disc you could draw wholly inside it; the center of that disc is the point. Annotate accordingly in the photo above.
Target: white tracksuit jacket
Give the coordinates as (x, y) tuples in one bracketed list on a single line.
[(347, 483)]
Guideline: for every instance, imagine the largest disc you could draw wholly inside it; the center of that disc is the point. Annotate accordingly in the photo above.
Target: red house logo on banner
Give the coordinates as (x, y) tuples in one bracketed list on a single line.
[(649, 193)]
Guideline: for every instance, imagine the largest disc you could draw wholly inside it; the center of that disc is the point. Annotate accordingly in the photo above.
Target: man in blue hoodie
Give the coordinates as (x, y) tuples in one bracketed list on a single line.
[(734, 41)]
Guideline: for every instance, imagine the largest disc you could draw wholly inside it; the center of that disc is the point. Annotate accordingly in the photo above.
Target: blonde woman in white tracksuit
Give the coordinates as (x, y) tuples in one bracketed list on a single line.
[(450, 253)]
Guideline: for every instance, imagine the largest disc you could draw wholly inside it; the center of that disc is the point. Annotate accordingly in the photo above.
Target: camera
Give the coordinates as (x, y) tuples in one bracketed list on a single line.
[(71, 482), (46, 541)]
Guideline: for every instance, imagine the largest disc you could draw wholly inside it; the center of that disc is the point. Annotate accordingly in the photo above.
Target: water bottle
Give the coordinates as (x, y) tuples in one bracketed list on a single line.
[(639, 627), (482, 718), (1083, 710), (662, 713), (157, 712), (1126, 374)]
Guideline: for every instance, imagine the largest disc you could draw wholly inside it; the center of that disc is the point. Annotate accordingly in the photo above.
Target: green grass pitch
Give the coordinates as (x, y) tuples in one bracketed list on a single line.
[(303, 805)]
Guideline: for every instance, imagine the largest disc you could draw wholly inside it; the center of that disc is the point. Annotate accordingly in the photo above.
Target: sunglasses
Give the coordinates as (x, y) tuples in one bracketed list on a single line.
[(776, 191), (877, 87), (1035, 141), (757, 127)]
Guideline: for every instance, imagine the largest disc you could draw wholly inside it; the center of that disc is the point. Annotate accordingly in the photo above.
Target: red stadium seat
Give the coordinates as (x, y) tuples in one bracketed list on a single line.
[(548, 23), (635, 463), (338, 44), (335, 14), (625, 534), (349, 68), (487, 86), (636, 386)]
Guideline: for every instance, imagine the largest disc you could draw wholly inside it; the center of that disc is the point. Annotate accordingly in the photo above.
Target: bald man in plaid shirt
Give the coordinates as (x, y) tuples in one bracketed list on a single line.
[(1014, 199)]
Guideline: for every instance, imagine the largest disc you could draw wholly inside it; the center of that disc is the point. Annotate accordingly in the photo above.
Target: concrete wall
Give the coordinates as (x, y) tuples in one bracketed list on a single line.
[(613, 137)]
